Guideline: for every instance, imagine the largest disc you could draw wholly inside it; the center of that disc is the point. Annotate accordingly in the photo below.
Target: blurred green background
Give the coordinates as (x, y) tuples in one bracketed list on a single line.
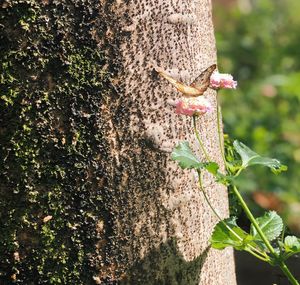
[(258, 41)]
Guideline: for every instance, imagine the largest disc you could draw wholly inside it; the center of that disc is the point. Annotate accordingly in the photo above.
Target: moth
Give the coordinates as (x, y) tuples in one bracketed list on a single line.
[(197, 87)]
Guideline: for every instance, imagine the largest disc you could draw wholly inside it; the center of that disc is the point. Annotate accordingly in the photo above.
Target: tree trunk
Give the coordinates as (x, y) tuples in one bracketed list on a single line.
[(88, 192)]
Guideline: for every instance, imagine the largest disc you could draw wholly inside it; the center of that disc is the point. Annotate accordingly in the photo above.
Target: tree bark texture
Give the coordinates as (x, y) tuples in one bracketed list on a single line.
[(88, 192)]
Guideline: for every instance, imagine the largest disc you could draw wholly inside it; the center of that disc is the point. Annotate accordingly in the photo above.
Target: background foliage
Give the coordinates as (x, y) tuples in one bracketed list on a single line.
[(258, 42)]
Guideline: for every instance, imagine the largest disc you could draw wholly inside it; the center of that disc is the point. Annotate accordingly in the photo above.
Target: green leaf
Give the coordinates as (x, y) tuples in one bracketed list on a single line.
[(292, 243), (249, 157), (185, 156), (224, 179), (271, 225), (228, 233), (211, 167)]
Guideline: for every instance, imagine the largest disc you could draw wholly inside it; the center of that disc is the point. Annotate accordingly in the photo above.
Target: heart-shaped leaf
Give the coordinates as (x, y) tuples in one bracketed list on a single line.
[(185, 156), (292, 244), (271, 225), (211, 167), (249, 157), (188, 160), (228, 233)]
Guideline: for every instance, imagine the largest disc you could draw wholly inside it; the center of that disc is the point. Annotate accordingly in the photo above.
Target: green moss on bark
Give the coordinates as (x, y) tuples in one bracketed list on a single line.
[(53, 73)]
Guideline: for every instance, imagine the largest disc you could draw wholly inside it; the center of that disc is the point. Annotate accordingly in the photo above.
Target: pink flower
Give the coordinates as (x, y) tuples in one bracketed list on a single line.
[(190, 106), (222, 80)]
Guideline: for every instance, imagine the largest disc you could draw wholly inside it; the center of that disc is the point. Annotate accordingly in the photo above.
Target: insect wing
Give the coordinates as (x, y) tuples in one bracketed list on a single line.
[(185, 89), (201, 83)]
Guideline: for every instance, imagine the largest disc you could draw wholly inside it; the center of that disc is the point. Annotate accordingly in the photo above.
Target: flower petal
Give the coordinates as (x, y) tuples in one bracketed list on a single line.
[(222, 80), (193, 106)]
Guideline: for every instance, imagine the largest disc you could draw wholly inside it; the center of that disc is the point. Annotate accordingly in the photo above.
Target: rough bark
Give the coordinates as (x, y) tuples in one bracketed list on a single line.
[(88, 192)]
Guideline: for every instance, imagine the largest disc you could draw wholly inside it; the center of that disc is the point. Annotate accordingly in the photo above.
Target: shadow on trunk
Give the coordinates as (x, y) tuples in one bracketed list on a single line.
[(166, 265)]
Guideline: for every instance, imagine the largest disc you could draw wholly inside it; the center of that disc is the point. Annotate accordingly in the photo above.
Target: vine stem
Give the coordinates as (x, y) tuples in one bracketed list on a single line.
[(281, 263), (199, 139), (257, 254), (219, 133), (239, 196), (249, 214), (253, 221)]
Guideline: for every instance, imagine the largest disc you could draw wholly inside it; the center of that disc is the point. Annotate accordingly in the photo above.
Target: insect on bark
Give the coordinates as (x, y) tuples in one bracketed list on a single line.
[(197, 87)]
